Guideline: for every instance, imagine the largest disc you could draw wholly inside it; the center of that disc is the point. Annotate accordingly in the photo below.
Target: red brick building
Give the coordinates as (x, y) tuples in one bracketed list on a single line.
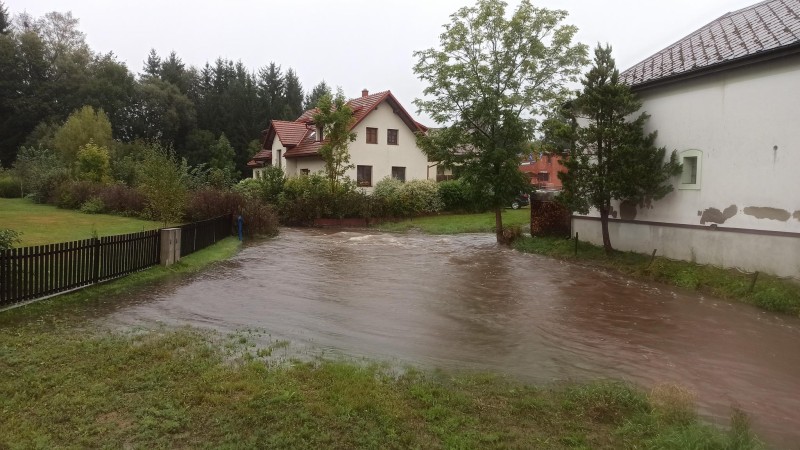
[(544, 171)]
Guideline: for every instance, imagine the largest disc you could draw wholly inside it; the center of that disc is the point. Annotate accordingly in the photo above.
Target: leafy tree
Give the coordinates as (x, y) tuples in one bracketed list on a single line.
[(333, 122), (614, 158), (163, 183), (313, 98), (198, 146), (293, 96), (222, 163), (490, 79), (5, 19), (160, 113), (94, 163), (39, 171), (83, 126)]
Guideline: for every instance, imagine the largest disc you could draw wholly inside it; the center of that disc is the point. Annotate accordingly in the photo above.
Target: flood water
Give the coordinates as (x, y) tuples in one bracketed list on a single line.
[(461, 303)]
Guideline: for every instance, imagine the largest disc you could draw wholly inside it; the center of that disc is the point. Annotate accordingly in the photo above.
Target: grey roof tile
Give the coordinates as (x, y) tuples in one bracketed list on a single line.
[(765, 26)]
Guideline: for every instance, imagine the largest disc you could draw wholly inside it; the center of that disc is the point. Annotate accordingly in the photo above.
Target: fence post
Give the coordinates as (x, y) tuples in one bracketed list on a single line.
[(96, 262), (170, 246), (576, 243)]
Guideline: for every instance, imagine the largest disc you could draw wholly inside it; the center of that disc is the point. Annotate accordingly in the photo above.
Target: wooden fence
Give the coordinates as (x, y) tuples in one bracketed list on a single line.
[(29, 273)]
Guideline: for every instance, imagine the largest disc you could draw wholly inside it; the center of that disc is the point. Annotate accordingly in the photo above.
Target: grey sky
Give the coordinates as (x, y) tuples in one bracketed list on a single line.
[(354, 44)]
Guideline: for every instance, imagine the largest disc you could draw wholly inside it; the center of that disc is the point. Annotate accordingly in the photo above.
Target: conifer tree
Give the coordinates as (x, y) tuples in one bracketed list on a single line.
[(5, 19), (613, 158), (316, 94), (293, 96)]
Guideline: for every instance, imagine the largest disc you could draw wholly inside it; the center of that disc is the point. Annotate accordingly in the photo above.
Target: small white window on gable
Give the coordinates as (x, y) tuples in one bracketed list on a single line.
[(692, 161)]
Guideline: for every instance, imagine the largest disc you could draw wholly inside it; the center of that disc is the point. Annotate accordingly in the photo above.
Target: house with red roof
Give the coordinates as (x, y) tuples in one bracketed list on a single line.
[(385, 144), (727, 98)]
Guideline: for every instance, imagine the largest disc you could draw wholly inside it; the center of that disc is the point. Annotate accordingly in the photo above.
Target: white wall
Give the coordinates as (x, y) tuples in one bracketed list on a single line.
[(382, 156), (735, 119)]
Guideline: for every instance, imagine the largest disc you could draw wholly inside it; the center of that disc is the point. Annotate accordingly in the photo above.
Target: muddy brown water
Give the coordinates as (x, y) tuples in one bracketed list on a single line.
[(461, 303)]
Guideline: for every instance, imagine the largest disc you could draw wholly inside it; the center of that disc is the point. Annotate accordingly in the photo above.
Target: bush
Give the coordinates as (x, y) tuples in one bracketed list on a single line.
[(122, 199), (259, 218), (9, 186), (419, 197), (8, 238), (74, 194), (93, 206), (249, 187), (460, 196), (549, 218)]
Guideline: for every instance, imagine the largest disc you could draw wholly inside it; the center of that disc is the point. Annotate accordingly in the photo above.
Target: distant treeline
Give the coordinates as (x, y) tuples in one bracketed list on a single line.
[(47, 71)]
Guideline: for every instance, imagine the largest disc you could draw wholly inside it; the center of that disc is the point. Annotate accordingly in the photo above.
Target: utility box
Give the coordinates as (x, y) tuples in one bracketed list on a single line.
[(170, 246)]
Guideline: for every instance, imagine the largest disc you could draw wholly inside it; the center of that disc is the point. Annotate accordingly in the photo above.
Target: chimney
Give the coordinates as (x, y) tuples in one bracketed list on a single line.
[(364, 93)]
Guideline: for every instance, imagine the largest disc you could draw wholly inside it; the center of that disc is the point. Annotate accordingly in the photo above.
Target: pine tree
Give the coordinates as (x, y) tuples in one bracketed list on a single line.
[(152, 66), (316, 94), (613, 158), (293, 96), (270, 92)]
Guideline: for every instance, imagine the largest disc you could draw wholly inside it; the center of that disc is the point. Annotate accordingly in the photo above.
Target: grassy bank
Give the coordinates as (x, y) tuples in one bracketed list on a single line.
[(459, 223), (770, 293), (180, 388), (62, 308), (44, 224)]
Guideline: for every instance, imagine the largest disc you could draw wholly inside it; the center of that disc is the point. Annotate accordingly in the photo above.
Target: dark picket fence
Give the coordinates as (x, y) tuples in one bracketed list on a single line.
[(29, 273), (199, 235)]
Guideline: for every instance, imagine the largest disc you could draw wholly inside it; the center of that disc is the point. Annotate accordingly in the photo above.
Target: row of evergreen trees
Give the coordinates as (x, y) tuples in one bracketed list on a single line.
[(49, 71)]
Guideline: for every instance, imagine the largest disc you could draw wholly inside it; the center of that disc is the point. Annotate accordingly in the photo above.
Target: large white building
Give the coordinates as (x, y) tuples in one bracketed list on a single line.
[(385, 144), (727, 98)]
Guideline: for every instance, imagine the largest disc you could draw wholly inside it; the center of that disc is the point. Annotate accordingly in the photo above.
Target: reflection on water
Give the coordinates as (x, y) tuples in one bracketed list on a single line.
[(462, 303)]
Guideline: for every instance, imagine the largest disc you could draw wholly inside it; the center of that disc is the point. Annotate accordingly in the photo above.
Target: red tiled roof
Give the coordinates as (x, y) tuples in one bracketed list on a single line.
[(297, 134), (290, 133), (263, 155), (757, 29)]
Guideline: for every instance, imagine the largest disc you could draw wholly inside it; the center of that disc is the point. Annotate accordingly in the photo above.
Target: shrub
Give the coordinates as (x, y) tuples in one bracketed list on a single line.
[(259, 218), (249, 187), (94, 163), (73, 194), (93, 206), (549, 218), (123, 200), (419, 197), (8, 238), (9, 186), (162, 180), (460, 196), (273, 180), (41, 173)]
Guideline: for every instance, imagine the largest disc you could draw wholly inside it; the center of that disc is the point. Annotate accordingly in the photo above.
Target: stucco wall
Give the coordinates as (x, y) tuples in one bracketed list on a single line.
[(382, 156), (744, 123)]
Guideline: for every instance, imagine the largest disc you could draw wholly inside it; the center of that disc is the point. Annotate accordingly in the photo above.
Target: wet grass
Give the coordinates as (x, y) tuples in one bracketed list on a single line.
[(181, 388), (770, 293), (458, 223), (44, 224)]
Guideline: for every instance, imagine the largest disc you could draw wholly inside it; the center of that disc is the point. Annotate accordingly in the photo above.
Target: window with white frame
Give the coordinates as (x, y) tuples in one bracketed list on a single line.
[(691, 173)]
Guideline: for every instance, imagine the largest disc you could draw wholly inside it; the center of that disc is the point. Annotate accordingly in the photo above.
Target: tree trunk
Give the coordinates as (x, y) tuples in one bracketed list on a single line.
[(604, 227), (498, 224)]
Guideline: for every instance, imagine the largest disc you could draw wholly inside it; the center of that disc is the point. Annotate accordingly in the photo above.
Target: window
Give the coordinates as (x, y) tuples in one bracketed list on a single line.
[(279, 159), (399, 173), (364, 175), (372, 135), (692, 161), (543, 177), (391, 136), (304, 172)]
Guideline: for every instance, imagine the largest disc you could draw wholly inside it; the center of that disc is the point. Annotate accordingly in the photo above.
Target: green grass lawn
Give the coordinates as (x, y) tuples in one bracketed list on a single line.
[(66, 388), (770, 293), (44, 224), (459, 223)]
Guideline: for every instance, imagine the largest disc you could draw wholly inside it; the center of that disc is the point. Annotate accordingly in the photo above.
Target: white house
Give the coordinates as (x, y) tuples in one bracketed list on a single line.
[(385, 145), (727, 98)]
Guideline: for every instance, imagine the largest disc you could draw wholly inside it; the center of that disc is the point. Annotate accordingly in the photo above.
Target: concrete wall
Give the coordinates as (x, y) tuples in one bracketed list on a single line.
[(742, 125), (778, 255)]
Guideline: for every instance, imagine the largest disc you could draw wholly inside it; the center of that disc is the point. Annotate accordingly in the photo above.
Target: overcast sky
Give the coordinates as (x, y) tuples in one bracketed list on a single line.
[(354, 44)]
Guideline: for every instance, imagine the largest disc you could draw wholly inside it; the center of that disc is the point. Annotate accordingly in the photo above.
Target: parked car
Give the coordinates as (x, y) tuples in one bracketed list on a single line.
[(520, 200)]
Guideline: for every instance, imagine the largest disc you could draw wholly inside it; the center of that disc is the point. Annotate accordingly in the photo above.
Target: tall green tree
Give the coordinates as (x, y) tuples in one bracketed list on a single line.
[(490, 79), (5, 19), (313, 97), (94, 163), (613, 159), (271, 92), (83, 126), (152, 65), (333, 127), (162, 180), (292, 95)]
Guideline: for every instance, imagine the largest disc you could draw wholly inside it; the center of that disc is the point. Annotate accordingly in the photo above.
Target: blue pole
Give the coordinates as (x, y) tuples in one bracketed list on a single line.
[(240, 223)]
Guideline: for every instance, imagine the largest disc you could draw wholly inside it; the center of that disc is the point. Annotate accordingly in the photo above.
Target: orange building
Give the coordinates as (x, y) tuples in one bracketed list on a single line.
[(544, 171)]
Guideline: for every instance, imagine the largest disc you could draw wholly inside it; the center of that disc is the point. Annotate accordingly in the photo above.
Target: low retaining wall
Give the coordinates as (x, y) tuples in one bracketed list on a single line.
[(748, 250)]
